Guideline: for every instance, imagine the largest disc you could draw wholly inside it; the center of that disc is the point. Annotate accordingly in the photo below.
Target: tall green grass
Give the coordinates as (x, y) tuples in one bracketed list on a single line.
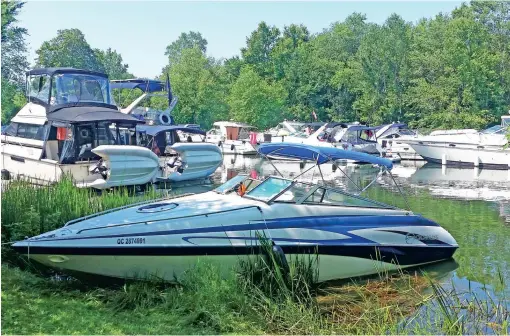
[(29, 210)]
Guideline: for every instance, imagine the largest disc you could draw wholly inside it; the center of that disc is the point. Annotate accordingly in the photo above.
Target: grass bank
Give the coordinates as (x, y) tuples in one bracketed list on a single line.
[(261, 296)]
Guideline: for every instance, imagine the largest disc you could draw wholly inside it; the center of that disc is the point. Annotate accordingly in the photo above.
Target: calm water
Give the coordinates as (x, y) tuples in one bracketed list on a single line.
[(474, 206)]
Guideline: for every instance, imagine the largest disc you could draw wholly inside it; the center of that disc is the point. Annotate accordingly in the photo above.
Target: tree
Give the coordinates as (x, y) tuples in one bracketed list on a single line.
[(255, 101), (68, 49), (14, 58), (13, 100), (185, 41), (111, 62), (201, 86), (259, 47)]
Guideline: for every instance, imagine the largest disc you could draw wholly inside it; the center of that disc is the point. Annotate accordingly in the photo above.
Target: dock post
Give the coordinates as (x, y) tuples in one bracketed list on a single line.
[(443, 159), (476, 161)]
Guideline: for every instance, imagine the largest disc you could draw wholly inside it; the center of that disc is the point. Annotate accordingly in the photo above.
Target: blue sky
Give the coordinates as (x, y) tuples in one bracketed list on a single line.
[(141, 30)]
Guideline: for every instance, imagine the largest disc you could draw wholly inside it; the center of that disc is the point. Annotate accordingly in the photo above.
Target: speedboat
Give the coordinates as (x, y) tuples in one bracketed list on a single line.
[(233, 137), (388, 136), (485, 149), (352, 235)]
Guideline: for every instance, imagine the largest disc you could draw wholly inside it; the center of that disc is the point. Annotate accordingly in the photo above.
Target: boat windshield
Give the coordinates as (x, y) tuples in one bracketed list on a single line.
[(79, 88), (497, 129), (268, 189)]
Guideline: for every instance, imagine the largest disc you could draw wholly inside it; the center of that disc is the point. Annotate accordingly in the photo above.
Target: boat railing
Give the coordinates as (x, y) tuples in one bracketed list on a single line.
[(74, 221), (146, 222)]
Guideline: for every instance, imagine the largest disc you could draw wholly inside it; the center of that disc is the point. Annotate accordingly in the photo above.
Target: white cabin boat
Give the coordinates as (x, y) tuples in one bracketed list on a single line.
[(488, 148), (232, 137), (69, 125)]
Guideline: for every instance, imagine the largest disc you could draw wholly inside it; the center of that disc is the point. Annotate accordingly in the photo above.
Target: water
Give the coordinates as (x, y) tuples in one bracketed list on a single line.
[(473, 205)]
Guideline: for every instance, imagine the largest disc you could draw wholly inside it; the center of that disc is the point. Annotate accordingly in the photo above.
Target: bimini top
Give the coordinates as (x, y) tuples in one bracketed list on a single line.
[(154, 130), (52, 71), (87, 114), (319, 154), (146, 85)]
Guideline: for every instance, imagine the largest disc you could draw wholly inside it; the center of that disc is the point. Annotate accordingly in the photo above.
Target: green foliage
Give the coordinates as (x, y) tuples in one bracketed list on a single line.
[(200, 85), (255, 101), (185, 41), (112, 64), (14, 49), (259, 46), (12, 100), (68, 49)]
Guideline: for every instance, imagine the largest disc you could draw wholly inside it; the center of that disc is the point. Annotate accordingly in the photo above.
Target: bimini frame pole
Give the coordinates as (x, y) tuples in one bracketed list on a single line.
[(400, 191), (265, 157), (338, 167)]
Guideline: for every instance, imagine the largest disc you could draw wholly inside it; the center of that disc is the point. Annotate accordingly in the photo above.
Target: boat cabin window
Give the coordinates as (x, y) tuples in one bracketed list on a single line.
[(83, 88), (268, 189), (27, 131), (38, 86), (332, 197)]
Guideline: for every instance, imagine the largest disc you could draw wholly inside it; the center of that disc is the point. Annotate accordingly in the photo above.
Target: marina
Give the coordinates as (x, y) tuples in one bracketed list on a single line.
[(340, 169)]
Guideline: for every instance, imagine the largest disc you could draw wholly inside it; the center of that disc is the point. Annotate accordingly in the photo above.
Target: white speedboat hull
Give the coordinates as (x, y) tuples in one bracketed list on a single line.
[(222, 229)]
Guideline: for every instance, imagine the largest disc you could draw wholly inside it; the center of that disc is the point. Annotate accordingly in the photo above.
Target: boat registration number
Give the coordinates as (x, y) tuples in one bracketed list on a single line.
[(125, 241)]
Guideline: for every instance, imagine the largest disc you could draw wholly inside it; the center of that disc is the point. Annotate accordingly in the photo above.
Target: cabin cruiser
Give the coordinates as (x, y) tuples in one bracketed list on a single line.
[(233, 137), (71, 126), (387, 136), (352, 235), (488, 148)]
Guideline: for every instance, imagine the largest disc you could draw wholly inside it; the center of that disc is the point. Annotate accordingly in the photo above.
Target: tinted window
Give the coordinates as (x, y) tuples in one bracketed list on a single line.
[(26, 131)]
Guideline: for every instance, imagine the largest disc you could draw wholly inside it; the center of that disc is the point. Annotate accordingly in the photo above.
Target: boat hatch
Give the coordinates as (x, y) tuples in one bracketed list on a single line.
[(158, 207)]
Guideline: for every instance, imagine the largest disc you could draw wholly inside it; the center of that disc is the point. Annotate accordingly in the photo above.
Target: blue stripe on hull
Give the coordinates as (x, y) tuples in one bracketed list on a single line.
[(337, 224)]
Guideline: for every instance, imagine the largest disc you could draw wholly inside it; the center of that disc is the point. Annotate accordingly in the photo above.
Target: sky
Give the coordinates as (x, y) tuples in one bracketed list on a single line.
[(141, 30)]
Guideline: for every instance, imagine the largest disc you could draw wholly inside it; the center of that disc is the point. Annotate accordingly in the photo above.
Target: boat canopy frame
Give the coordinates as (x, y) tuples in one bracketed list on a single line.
[(322, 155)]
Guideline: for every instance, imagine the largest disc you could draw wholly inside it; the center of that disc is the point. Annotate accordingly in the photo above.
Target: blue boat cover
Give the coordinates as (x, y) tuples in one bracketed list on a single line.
[(319, 154), (155, 129), (146, 85)]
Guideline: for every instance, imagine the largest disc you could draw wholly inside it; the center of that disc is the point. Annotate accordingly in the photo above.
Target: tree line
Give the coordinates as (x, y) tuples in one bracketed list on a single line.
[(449, 71)]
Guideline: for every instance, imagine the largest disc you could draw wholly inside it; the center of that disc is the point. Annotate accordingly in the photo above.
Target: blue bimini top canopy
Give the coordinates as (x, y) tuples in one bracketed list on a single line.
[(319, 154), (146, 85), (156, 129)]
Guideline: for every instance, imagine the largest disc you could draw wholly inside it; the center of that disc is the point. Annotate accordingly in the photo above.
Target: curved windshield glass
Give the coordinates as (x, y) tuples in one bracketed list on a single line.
[(269, 188), (79, 88)]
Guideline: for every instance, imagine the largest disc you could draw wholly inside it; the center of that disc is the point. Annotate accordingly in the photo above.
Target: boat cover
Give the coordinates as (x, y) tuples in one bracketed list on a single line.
[(155, 129), (52, 71), (146, 85), (85, 114), (319, 154)]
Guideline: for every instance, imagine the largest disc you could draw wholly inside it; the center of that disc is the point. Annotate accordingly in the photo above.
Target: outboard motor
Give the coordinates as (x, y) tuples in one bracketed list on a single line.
[(100, 168)]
